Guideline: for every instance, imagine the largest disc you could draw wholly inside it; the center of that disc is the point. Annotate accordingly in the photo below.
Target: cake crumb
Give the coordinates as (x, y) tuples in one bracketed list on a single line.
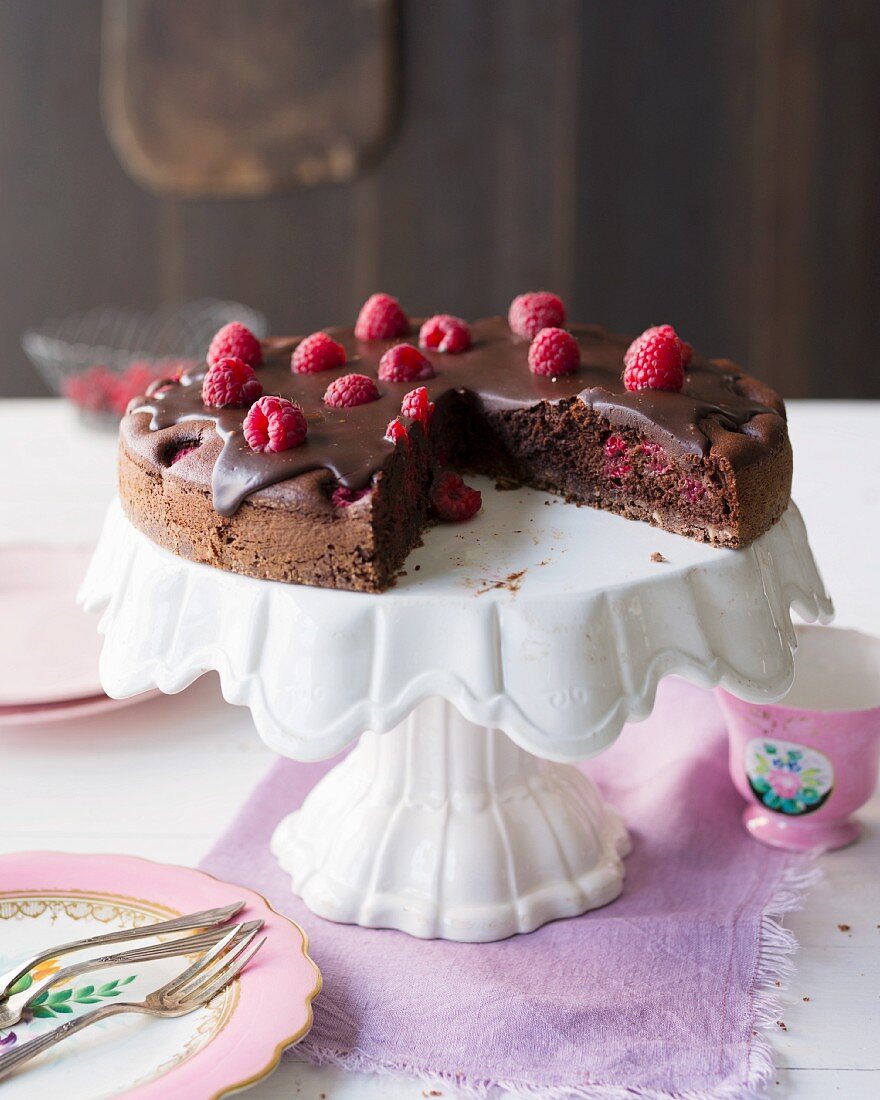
[(417, 568), (805, 998), (505, 484), (511, 582), (844, 927), (781, 1025), (657, 556)]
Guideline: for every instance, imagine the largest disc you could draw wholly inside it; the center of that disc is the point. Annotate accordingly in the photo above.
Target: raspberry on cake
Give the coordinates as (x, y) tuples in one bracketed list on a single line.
[(554, 352), (396, 432), (351, 390), (230, 382), (404, 363), (237, 342), (529, 313), (316, 353), (653, 361), (416, 405), (445, 333), (665, 330), (274, 424), (607, 421), (381, 318)]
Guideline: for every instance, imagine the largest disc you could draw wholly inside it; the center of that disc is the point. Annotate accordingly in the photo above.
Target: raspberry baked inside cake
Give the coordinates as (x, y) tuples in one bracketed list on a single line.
[(320, 460)]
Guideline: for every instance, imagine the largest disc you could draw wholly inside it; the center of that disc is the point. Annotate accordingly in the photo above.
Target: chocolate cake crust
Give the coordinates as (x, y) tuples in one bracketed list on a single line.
[(712, 462)]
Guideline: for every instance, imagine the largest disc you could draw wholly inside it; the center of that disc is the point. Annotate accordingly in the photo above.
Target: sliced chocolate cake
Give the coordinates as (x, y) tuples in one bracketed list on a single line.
[(320, 460)]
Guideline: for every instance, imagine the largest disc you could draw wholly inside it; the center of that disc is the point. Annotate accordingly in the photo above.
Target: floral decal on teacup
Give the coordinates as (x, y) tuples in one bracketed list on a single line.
[(788, 778)]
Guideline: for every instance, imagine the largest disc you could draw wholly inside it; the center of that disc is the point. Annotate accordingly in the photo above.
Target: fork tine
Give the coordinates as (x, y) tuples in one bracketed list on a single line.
[(202, 962), (229, 974), (215, 968)]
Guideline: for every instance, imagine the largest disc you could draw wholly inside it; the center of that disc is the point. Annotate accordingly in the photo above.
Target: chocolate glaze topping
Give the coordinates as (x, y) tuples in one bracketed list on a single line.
[(351, 444)]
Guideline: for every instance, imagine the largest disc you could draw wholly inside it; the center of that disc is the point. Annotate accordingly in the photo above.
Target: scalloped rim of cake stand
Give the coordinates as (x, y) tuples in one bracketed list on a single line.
[(550, 623)]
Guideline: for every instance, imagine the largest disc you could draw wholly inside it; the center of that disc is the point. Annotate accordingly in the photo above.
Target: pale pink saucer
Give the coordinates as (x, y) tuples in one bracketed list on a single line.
[(41, 714), (238, 1039), (49, 647)]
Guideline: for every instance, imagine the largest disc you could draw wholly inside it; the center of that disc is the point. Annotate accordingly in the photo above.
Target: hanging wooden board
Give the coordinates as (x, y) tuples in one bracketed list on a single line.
[(238, 98)]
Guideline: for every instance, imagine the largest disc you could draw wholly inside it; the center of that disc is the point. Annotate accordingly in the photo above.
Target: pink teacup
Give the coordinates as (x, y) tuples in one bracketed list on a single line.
[(808, 762)]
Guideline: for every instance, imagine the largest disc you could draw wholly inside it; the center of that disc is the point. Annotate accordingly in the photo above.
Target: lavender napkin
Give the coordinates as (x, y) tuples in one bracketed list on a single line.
[(658, 995)]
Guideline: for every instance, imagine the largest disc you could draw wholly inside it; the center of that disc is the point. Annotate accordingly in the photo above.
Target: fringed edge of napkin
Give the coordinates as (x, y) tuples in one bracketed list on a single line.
[(773, 970)]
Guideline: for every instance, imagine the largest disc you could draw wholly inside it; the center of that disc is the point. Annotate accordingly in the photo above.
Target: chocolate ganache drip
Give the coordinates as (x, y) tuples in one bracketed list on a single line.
[(350, 442)]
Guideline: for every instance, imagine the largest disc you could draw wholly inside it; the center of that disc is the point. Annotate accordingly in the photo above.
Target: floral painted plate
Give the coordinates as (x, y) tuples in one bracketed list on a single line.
[(234, 1041)]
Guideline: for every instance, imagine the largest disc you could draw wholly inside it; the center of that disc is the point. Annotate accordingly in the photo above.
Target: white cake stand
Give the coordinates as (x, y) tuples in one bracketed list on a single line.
[(514, 644)]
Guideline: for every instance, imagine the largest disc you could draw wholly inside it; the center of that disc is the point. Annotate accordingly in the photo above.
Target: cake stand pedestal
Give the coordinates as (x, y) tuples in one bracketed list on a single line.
[(512, 646)]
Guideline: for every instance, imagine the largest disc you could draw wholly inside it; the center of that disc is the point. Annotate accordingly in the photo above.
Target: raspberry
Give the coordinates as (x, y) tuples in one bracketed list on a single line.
[(381, 318), (614, 447), (529, 313), (452, 500), (554, 352), (350, 390), (396, 432), (416, 406), (653, 361), (182, 452), (230, 382), (275, 424), (342, 497), (657, 460), (234, 341), (404, 363), (445, 333), (693, 490), (316, 353), (663, 330), (617, 468)]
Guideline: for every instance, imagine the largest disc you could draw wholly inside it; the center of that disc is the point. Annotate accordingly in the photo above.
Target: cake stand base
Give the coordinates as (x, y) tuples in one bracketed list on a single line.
[(445, 829)]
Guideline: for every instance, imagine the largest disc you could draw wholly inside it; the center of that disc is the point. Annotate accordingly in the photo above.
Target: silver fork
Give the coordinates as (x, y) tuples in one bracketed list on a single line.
[(190, 990), (19, 1003), (204, 919)]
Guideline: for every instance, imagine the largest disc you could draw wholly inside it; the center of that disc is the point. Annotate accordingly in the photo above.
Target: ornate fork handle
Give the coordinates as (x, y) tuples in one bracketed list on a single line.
[(204, 919), (33, 1047), (12, 1010)]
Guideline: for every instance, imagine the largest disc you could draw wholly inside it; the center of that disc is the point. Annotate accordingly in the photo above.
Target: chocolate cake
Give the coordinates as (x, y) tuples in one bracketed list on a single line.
[(344, 507)]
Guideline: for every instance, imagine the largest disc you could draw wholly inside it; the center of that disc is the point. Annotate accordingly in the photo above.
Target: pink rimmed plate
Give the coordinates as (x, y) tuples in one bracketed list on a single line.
[(41, 714), (233, 1042)]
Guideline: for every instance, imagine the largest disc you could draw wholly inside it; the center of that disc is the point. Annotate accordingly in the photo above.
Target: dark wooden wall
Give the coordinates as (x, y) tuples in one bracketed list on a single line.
[(714, 163)]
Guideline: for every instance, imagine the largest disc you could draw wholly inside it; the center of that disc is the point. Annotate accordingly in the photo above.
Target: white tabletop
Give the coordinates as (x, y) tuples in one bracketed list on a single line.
[(143, 758)]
